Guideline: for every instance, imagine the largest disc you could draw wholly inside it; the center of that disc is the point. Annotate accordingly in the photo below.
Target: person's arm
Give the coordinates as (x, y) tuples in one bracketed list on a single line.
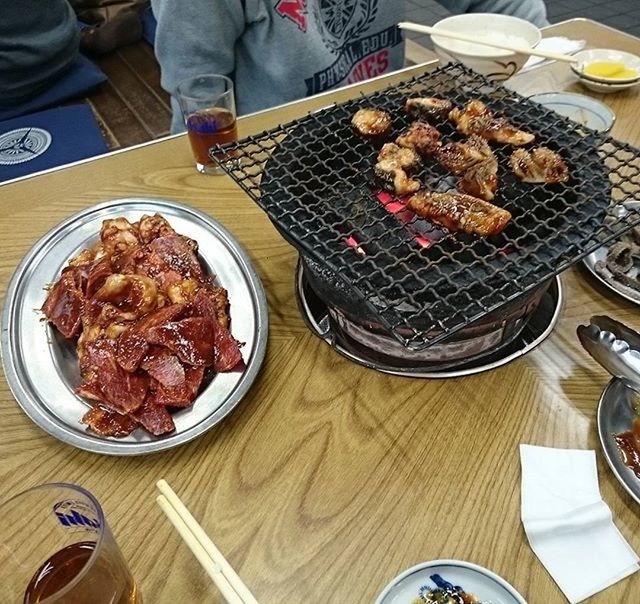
[(195, 37), (534, 11)]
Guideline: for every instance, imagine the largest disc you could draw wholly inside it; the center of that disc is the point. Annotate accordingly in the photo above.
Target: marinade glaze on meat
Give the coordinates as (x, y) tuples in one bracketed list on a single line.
[(149, 324)]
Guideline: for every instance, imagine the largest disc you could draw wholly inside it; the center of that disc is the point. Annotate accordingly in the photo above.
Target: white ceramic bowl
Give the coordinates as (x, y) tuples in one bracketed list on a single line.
[(580, 108), (492, 62), (607, 88), (593, 55), (477, 580)]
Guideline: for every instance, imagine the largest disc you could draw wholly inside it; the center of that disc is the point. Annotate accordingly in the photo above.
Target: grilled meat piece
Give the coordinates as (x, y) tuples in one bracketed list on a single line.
[(540, 165), (395, 179), (401, 157), (393, 167), (428, 107), (458, 212), (458, 157), (421, 137), (370, 122), (477, 118), (481, 179), (475, 160)]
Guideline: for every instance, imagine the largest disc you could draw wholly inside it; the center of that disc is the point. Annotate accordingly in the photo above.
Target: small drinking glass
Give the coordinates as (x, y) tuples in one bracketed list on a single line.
[(56, 548), (209, 110)]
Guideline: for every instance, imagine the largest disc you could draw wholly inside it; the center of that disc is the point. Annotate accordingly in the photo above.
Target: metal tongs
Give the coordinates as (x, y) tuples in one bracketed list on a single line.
[(615, 346)]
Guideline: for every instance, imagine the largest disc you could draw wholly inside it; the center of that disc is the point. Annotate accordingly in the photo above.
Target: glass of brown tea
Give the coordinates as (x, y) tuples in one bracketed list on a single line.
[(209, 110), (56, 548)]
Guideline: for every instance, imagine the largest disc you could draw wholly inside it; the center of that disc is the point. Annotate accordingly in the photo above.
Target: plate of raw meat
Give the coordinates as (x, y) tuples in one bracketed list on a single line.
[(133, 326)]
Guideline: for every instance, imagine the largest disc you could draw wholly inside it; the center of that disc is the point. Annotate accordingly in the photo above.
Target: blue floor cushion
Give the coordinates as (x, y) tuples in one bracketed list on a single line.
[(39, 141), (82, 78)]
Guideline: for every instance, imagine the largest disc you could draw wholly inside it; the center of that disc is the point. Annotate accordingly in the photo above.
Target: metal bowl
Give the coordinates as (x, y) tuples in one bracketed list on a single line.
[(41, 367), (615, 415)]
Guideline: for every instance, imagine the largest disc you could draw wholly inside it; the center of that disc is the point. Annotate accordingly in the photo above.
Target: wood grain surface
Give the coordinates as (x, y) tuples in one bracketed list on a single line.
[(131, 107), (329, 479)]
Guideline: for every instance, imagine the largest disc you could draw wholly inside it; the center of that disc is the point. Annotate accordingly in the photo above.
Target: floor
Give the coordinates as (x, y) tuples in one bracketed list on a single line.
[(621, 14), (132, 107)]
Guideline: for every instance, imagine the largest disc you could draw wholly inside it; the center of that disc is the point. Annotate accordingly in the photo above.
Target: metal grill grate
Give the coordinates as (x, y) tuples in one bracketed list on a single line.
[(314, 178)]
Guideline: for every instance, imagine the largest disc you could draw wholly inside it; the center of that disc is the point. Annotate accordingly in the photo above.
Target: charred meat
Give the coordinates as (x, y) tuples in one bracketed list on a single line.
[(458, 157), (395, 179), (458, 212), (423, 138), (393, 167), (401, 157), (540, 165), (371, 123), (477, 118), (481, 179), (428, 107)]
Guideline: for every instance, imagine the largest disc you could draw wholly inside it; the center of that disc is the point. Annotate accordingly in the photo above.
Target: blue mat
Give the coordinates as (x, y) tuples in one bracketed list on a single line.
[(83, 77), (149, 25), (47, 139)]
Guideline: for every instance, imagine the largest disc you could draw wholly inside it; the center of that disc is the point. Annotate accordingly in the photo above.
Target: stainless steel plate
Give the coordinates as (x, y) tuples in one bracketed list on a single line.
[(42, 367), (616, 414), (600, 255)]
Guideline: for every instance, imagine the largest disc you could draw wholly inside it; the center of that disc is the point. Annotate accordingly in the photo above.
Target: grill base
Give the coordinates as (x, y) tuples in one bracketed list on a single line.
[(475, 354)]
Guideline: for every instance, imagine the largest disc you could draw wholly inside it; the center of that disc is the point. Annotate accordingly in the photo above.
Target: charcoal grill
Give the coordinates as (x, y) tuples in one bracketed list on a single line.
[(495, 340), (314, 178)]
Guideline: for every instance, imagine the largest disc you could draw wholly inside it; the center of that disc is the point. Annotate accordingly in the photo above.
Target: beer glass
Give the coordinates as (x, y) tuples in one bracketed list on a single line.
[(209, 111), (56, 548)]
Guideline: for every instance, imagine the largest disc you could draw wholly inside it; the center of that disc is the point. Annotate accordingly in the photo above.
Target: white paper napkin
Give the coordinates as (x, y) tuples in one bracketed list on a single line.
[(555, 44), (568, 525)]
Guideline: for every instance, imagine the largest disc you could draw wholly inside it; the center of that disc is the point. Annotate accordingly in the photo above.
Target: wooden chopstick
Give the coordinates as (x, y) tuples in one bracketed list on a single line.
[(212, 560), (525, 50), (212, 569)]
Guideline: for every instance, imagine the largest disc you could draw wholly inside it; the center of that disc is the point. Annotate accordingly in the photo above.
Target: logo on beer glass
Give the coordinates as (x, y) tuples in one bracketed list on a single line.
[(76, 514)]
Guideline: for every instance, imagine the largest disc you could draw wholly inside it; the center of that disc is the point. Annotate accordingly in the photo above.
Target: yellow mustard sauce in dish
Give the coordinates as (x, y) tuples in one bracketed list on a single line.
[(610, 70)]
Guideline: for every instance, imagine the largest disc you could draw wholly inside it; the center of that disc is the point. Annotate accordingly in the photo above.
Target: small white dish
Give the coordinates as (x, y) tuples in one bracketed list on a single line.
[(491, 62), (581, 109), (603, 88), (606, 55), (485, 585)]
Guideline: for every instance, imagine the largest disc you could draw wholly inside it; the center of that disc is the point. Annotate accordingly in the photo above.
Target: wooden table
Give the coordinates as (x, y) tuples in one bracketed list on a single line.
[(329, 478)]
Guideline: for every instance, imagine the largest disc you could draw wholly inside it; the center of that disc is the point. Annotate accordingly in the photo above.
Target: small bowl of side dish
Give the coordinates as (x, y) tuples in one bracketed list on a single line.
[(605, 70), (603, 88), (492, 62), (454, 578)]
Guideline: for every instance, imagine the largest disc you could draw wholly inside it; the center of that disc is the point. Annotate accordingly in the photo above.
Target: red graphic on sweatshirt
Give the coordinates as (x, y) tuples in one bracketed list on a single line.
[(294, 10)]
